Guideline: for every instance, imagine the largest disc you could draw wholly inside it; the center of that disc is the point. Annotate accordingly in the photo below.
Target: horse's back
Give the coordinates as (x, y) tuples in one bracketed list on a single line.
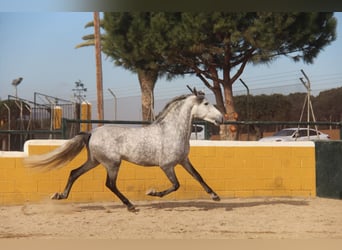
[(140, 145)]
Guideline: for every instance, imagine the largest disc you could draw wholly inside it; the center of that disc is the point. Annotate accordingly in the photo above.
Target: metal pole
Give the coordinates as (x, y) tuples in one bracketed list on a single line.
[(51, 115), (20, 107), (307, 86), (64, 128), (29, 121), (247, 106), (9, 126), (115, 103)]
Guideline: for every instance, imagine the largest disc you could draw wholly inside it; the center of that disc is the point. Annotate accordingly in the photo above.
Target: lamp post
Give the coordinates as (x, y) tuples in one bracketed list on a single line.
[(15, 83), (9, 126), (307, 101), (247, 106)]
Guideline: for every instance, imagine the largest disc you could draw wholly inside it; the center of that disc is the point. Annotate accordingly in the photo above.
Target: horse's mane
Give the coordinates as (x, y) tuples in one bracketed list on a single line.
[(169, 106)]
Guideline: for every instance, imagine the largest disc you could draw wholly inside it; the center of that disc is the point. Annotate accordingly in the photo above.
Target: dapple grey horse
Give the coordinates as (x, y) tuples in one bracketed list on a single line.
[(163, 143)]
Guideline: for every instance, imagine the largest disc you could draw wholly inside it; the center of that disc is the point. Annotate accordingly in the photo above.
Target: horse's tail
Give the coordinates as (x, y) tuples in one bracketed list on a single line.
[(60, 156)]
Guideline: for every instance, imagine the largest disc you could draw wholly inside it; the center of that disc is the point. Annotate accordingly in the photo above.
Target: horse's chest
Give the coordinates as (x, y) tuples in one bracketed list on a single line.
[(174, 151)]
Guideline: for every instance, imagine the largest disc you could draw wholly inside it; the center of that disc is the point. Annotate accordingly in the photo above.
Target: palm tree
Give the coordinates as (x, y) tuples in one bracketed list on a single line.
[(95, 40)]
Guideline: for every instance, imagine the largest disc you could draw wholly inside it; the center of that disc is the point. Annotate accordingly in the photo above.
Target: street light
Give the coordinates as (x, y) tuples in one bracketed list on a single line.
[(15, 83), (247, 106)]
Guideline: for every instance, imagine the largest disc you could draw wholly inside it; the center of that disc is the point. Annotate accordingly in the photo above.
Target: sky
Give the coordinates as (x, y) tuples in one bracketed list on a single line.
[(40, 48)]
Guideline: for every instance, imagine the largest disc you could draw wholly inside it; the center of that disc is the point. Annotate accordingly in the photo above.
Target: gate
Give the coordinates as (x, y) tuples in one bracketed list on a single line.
[(22, 120)]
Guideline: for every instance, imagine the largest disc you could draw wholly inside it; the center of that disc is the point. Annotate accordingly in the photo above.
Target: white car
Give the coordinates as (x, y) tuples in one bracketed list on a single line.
[(197, 132), (296, 134)]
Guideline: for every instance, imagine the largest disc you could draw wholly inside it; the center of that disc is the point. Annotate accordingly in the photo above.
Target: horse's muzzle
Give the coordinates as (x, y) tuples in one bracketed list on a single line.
[(219, 121)]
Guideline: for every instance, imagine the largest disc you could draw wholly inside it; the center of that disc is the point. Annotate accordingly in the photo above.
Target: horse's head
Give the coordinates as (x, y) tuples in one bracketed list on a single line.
[(204, 110)]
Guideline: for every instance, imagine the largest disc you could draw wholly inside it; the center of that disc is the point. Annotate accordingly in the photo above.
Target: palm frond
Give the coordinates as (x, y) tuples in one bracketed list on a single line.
[(85, 44)]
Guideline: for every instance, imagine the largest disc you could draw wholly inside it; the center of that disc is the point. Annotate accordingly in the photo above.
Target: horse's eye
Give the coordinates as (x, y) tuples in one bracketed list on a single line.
[(206, 103)]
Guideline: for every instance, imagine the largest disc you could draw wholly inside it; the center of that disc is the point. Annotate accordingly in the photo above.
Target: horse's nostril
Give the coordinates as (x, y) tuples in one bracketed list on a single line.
[(219, 121)]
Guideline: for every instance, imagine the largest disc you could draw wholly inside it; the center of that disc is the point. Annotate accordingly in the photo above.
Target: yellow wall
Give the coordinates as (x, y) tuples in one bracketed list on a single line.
[(232, 169)]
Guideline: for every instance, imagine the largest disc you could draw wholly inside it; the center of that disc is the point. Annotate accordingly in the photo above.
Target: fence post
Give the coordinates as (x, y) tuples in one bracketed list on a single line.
[(57, 117), (206, 129), (85, 115), (64, 127)]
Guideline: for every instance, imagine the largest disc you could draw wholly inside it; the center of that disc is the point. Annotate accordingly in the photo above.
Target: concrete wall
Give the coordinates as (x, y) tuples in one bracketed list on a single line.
[(232, 169)]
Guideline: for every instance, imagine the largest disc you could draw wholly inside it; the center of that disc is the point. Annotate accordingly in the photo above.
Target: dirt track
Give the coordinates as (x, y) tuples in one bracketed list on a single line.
[(260, 218)]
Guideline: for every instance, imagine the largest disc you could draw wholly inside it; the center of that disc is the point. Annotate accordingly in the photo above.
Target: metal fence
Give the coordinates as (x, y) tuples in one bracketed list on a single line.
[(248, 130), (27, 120)]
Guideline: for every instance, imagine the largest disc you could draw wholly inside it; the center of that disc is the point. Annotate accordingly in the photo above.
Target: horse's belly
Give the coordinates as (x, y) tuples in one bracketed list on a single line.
[(143, 156), (155, 158)]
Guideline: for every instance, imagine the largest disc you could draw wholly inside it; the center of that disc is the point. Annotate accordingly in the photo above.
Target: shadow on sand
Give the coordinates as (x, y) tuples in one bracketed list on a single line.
[(191, 205)]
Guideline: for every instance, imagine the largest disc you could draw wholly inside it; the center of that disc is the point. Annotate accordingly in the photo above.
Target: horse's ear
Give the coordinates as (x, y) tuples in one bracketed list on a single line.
[(194, 91)]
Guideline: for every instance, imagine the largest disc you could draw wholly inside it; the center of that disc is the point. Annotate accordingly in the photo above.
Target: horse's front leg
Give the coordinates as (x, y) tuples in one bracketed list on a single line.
[(169, 170), (112, 174), (193, 172)]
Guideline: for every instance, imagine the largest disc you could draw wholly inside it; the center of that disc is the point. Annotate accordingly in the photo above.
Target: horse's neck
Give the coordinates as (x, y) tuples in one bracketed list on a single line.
[(179, 120)]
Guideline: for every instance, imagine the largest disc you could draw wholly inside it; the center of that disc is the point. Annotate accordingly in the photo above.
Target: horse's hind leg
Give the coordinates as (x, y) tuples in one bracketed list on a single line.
[(74, 174), (112, 174), (171, 175), (191, 170)]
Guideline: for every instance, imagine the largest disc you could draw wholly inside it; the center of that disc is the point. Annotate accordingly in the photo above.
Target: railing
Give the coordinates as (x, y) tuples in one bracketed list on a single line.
[(65, 123), (68, 130), (207, 125)]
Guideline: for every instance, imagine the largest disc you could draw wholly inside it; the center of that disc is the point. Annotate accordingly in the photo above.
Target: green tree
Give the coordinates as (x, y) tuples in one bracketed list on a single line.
[(326, 107), (133, 40), (297, 102), (275, 107), (95, 40), (217, 46), (126, 42)]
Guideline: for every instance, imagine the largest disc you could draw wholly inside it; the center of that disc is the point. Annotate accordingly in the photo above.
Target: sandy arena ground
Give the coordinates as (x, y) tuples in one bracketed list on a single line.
[(240, 218)]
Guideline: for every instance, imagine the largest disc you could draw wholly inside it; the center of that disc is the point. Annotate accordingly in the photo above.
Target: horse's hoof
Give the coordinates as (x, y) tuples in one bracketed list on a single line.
[(132, 209), (151, 192), (215, 197), (56, 196)]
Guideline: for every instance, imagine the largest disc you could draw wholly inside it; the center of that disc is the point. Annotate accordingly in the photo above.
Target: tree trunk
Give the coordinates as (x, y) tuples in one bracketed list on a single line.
[(229, 132), (226, 106), (99, 86), (218, 97), (147, 80)]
